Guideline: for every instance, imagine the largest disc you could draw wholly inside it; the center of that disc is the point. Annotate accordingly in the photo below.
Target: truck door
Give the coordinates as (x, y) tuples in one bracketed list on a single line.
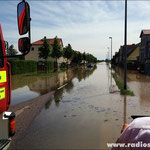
[(5, 88)]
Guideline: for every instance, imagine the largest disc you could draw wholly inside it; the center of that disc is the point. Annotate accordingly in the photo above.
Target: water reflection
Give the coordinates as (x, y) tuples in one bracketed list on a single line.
[(125, 109), (32, 85), (48, 104), (83, 73), (19, 81), (80, 74), (138, 83), (25, 87)]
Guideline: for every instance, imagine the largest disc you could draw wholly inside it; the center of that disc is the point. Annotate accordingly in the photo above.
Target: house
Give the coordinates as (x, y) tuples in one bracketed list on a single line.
[(144, 57), (121, 53), (134, 53), (133, 57), (34, 53)]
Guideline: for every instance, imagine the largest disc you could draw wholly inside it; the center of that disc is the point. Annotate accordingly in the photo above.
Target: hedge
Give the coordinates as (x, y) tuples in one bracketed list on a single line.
[(50, 65), (23, 66)]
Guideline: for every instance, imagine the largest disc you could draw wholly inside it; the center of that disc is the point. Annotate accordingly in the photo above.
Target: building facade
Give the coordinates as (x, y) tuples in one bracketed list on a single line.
[(144, 57), (34, 52)]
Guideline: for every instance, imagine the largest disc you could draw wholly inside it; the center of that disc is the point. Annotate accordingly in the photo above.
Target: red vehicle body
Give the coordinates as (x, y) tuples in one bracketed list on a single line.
[(7, 119), (5, 77)]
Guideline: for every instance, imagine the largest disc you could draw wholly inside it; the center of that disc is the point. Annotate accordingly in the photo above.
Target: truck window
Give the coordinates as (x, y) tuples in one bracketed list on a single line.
[(1, 54)]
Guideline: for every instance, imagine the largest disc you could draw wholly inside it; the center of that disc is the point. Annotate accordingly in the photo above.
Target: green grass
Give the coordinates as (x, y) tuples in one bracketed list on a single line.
[(121, 87)]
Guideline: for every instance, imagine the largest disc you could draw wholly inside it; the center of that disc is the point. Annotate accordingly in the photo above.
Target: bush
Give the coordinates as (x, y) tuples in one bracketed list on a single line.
[(22, 66), (49, 65)]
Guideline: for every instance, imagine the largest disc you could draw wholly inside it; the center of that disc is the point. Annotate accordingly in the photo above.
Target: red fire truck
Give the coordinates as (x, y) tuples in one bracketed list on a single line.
[(7, 119)]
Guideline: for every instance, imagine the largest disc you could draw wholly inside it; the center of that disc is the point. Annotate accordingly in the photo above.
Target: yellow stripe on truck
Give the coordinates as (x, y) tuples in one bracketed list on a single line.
[(2, 93), (3, 77)]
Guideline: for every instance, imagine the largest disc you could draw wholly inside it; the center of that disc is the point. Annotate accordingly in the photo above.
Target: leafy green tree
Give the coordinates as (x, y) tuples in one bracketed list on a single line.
[(77, 57), (11, 51), (91, 58), (68, 52), (45, 51), (84, 57), (57, 50)]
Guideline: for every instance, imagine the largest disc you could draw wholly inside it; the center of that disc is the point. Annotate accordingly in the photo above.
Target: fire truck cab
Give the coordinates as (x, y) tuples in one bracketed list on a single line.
[(7, 119)]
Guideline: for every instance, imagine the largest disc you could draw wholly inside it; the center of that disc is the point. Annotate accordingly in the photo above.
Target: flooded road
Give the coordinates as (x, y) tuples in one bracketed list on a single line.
[(84, 114), (26, 87)]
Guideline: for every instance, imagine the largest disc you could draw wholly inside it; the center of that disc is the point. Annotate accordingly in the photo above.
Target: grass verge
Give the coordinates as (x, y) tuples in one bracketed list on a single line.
[(121, 87)]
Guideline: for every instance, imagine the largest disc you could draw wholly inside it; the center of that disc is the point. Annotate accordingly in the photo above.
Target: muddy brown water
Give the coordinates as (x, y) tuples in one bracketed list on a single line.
[(84, 114)]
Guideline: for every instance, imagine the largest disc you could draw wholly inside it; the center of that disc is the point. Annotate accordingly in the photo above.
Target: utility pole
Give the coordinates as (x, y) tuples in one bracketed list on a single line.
[(125, 48)]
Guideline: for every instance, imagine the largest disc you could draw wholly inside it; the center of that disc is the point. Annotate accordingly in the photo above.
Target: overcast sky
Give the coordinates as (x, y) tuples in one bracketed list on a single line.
[(86, 25)]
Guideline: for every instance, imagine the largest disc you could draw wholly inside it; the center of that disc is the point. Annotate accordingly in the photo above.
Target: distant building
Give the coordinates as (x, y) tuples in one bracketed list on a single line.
[(121, 53), (145, 51), (133, 57), (34, 53), (133, 54)]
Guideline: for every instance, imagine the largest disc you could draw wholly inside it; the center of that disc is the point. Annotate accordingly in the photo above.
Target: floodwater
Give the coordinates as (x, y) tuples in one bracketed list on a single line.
[(28, 86), (84, 114)]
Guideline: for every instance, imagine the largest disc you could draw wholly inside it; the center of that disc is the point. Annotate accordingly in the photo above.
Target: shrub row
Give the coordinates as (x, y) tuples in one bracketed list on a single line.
[(49, 65), (23, 66)]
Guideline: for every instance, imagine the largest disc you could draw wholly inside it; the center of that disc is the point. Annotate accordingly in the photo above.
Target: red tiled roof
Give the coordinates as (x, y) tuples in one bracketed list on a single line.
[(51, 41), (145, 32)]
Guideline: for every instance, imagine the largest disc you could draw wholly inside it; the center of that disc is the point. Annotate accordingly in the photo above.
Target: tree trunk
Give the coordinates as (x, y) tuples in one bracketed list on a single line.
[(56, 65), (46, 66)]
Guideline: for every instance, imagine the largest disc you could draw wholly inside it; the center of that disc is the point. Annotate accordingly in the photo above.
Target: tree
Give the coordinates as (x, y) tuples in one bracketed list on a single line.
[(77, 57), (57, 50), (91, 58), (45, 51), (11, 51), (84, 57), (68, 52)]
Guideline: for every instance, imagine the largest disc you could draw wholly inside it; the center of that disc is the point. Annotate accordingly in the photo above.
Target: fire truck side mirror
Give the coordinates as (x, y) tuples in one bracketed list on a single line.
[(24, 45), (23, 16)]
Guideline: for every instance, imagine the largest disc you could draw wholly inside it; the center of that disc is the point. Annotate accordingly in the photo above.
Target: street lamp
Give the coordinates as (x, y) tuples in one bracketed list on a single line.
[(125, 48), (111, 46), (108, 52)]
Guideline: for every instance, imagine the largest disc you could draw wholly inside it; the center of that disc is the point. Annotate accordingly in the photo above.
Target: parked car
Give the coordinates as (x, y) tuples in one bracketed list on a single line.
[(89, 65)]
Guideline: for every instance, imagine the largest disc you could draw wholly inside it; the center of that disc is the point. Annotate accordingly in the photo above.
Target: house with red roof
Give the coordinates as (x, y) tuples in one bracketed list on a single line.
[(34, 53)]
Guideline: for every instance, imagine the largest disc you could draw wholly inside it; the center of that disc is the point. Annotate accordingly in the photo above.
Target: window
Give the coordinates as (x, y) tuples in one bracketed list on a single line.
[(1, 54)]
